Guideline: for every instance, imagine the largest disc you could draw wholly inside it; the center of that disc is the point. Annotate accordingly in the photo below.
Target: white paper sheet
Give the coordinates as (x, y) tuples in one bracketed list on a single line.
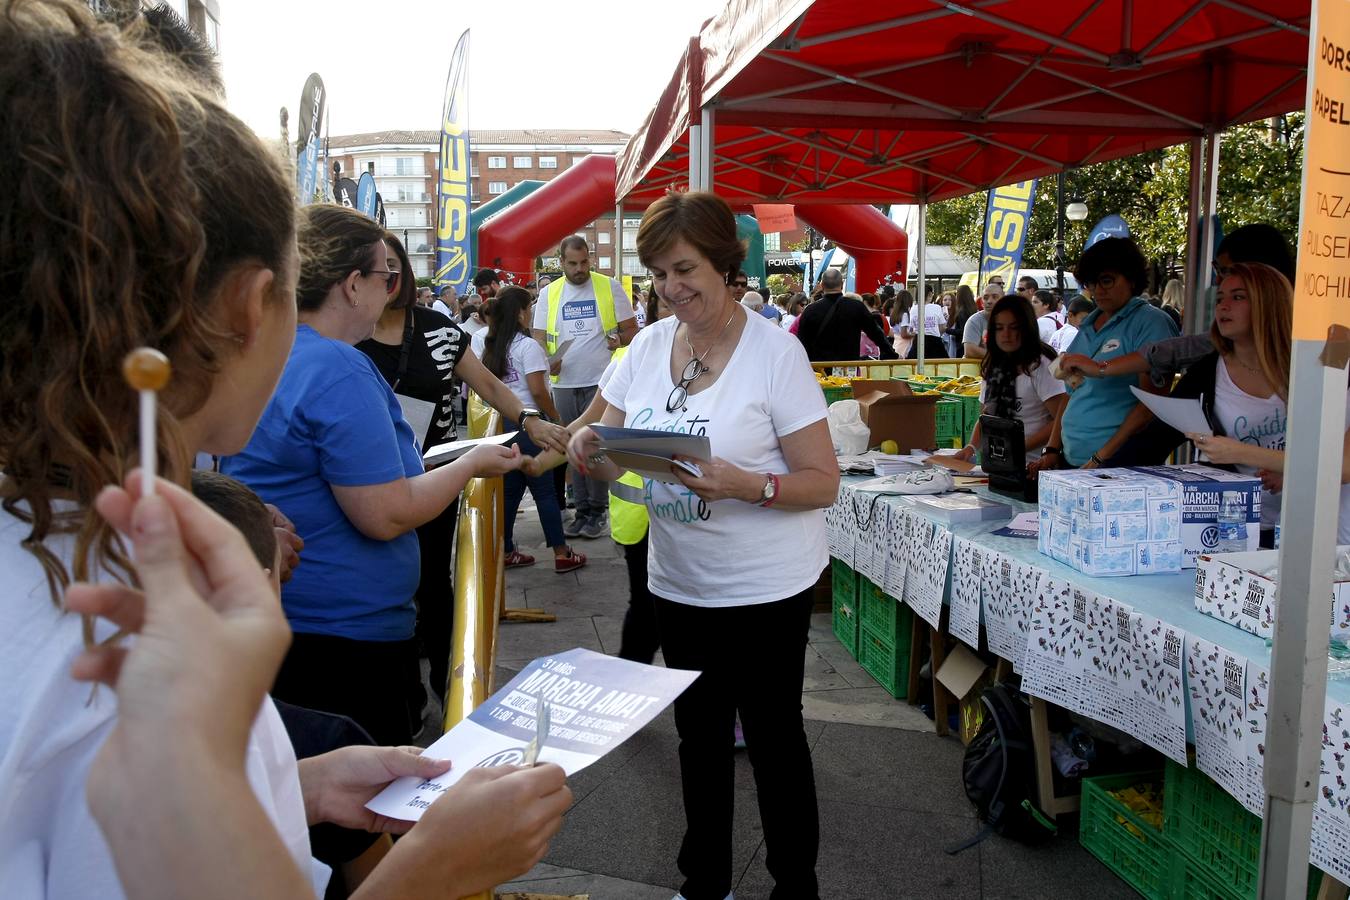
[(1051, 667), (596, 703), (453, 450), (1331, 813), (1217, 682), (1160, 701), (963, 615), (1182, 413)]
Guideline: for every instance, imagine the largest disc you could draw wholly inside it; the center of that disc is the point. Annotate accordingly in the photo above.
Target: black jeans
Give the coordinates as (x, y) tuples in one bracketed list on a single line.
[(640, 639), (752, 660), (435, 600)]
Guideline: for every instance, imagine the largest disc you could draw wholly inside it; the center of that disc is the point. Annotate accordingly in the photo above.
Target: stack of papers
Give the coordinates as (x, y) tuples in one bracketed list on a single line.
[(652, 454), (444, 453)]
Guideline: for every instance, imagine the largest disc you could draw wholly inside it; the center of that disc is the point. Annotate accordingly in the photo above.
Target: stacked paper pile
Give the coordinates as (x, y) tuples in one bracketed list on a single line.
[(1111, 521)]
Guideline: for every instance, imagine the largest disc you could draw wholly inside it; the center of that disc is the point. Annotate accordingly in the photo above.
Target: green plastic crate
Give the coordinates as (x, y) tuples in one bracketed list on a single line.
[(1192, 880), (844, 600), (889, 665), (947, 417), (1220, 838), (919, 387), (883, 615), (970, 414), (833, 394), (1129, 846)]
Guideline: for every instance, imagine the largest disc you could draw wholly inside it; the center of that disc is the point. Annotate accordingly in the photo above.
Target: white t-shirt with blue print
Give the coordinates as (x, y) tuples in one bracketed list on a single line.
[(728, 552)]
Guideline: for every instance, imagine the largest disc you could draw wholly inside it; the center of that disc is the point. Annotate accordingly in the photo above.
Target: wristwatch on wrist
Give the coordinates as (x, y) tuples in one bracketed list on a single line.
[(770, 491), (528, 413), (1101, 366), (1055, 450)]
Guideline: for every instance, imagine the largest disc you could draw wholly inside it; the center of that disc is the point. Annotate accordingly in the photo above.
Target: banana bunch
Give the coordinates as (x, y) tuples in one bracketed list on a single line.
[(966, 386), (827, 381)]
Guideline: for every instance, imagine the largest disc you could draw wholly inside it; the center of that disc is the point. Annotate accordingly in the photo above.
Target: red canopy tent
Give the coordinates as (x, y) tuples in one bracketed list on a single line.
[(910, 101)]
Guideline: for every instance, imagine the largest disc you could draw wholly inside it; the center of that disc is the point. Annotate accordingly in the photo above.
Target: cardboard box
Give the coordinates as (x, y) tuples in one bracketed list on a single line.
[(1203, 488), (1107, 522), (965, 677), (1241, 589), (893, 412)]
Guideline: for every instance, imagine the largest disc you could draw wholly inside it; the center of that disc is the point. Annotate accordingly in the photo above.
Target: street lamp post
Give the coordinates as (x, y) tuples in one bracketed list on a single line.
[(1075, 211)]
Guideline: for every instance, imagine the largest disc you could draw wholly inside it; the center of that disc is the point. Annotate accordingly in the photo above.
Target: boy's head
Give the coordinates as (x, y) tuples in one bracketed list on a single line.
[(243, 509)]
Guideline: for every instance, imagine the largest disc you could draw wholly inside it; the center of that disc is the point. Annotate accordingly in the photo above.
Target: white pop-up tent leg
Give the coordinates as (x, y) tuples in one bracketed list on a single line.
[(1312, 481)]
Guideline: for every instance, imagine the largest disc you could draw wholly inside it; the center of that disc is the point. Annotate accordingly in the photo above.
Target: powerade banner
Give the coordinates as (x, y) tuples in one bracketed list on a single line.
[(365, 195), (1111, 226), (344, 193), (1006, 219), (452, 189), (311, 118), (379, 210)]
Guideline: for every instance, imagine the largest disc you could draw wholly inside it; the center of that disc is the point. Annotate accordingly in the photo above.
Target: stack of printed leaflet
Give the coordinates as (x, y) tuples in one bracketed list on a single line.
[(453, 450), (652, 454)]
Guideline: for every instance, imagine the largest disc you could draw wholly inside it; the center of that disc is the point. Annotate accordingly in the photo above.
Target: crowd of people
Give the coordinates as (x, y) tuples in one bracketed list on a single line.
[(248, 640)]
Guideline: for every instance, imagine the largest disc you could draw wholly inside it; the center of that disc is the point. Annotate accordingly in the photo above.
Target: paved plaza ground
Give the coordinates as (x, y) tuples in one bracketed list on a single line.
[(890, 791)]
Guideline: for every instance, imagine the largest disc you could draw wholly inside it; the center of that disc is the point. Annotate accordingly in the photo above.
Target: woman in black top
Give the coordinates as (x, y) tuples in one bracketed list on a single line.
[(419, 351)]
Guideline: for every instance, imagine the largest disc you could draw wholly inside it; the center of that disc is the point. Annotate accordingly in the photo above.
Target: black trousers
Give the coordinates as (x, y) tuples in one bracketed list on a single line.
[(435, 599), (366, 681), (752, 660), (640, 638)]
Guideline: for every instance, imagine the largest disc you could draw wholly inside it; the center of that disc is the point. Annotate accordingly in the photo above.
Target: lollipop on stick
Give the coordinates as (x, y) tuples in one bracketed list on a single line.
[(147, 371)]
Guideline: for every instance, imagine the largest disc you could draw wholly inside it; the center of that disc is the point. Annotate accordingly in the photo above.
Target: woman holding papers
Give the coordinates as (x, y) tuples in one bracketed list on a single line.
[(1017, 380), (333, 452), (509, 354), (734, 552), (419, 352), (1242, 386)]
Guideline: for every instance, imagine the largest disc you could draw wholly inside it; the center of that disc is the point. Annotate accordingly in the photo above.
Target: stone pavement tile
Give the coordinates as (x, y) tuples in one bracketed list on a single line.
[(838, 656), (1061, 868), (822, 628), (524, 641), (891, 767), (630, 827), (821, 674), (864, 706), (599, 887), (876, 853)]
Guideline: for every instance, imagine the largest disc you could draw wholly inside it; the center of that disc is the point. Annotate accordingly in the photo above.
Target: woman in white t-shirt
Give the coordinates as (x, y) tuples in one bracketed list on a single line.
[(170, 775), (508, 351), (1243, 387), (1017, 379), (736, 551)]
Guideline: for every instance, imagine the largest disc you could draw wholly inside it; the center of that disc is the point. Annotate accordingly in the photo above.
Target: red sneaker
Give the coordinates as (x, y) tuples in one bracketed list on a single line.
[(515, 559), (573, 560)]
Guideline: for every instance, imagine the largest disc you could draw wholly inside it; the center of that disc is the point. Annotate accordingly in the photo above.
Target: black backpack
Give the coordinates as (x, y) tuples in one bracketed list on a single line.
[(999, 772)]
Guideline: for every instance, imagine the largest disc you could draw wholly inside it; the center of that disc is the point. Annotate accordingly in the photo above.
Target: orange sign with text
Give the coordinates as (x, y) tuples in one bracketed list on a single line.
[(1322, 285), (775, 217)]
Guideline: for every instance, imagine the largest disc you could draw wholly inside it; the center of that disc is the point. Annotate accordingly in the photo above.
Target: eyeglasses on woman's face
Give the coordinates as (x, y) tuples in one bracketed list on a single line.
[(390, 278)]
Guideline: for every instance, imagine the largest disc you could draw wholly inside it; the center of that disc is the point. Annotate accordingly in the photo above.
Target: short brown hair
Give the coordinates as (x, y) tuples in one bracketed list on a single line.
[(408, 291), (573, 242), (334, 242), (238, 505), (701, 218)]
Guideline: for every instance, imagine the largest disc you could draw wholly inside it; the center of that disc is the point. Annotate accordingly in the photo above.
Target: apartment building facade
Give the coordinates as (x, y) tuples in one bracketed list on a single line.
[(404, 166)]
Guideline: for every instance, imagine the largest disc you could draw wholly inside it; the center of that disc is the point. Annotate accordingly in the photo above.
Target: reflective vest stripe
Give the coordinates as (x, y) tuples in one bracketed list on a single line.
[(628, 493), (628, 509), (604, 302)]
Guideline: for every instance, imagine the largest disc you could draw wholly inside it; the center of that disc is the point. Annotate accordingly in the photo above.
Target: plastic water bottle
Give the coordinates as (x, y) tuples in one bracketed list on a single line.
[(1232, 523)]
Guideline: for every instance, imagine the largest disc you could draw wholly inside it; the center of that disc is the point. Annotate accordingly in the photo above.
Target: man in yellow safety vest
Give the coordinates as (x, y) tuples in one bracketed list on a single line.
[(583, 319)]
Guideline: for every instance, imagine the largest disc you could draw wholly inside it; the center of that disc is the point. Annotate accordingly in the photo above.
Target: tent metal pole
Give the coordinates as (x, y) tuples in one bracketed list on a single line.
[(1309, 512), (1205, 308), (695, 157), (921, 304), (1195, 268)]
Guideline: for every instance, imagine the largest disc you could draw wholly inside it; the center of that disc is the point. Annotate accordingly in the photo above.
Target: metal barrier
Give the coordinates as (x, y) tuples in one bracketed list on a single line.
[(479, 586), (479, 582), (900, 368)]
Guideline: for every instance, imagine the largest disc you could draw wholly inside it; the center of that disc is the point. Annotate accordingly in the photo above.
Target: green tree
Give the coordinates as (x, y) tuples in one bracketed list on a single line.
[(1260, 173)]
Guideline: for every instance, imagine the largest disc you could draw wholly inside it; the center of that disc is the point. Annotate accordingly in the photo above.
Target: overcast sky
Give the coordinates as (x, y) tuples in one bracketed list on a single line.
[(384, 63)]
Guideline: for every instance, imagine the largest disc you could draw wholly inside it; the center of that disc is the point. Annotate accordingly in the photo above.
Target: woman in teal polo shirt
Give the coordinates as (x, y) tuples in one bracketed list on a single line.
[(1102, 413)]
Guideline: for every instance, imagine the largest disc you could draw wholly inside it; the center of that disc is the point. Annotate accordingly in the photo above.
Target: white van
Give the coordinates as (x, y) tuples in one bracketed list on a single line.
[(1046, 279)]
